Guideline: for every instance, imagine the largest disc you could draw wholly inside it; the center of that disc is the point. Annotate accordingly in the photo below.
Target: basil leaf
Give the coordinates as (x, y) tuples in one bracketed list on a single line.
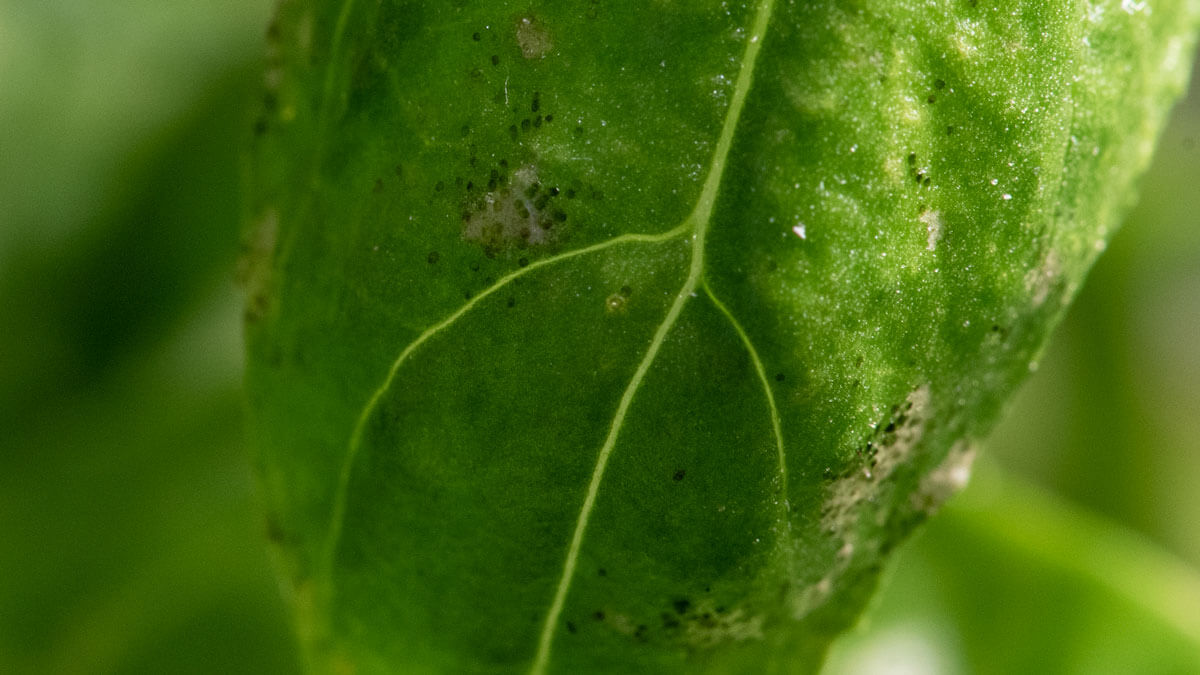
[(632, 337)]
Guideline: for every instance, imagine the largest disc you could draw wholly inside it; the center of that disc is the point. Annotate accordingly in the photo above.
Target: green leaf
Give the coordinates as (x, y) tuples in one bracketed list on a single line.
[(632, 337), (1061, 591)]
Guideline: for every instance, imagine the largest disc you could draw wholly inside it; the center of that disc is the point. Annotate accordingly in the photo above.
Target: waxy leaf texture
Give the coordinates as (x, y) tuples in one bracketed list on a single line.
[(633, 336)]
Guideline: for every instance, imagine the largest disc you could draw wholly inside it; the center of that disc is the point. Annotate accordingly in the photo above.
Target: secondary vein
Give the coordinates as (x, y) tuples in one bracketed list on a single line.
[(767, 391), (699, 220), (338, 514)]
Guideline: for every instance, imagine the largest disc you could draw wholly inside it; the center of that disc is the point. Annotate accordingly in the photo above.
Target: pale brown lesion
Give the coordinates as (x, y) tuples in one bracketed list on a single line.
[(533, 38), (519, 214), (254, 265)]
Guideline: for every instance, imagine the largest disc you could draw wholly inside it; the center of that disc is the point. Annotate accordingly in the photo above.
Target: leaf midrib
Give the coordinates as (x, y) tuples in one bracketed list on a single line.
[(698, 222)]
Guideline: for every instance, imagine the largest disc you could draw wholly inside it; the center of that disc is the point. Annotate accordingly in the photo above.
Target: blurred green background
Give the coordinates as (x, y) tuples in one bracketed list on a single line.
[(131, 540)]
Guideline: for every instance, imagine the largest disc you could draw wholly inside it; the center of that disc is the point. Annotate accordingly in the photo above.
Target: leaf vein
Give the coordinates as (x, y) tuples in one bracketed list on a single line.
[(338, 514), (770, 395), (698, 220)]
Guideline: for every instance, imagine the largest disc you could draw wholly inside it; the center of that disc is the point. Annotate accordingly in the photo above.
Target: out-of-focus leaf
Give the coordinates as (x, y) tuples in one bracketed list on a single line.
[(1108, 419), (129, 539), (129, 528), (161, 240), (82, 83), (635, 338), (1008, 579)]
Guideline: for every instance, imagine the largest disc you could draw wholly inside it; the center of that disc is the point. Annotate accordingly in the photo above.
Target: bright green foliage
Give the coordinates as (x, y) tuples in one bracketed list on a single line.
[(631, 337)]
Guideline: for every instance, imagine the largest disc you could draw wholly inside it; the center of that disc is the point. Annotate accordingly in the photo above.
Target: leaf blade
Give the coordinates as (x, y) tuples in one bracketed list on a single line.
[(874, 318)]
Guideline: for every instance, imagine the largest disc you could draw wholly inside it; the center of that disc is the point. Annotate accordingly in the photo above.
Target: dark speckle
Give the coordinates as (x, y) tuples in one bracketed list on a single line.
[(679, 475), (466, 131), (602, 572), (549, 118), (512, 302), (912, 158), (890, 427), (932, 99), (939, 84), (433, 257), (275, 531), (378, 185), (779, 377), (439, 187), (682, 605), (523, 262), (495, 60), (598, 615), (571, 627), (476, 37)]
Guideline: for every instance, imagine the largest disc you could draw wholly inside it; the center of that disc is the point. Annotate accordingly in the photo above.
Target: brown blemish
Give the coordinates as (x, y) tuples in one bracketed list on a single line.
[(946, 480), (254, 265), (853, 499), (509, 215), (533, 38)]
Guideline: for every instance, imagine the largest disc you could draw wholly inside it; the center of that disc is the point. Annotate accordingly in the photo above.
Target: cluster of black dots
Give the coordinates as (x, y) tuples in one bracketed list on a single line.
[(917, 173), (884, 436), (504, 207), (673, 622)]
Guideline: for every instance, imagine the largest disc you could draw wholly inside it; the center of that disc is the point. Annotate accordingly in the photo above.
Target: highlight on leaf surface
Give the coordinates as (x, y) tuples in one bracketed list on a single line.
[(632, 337)]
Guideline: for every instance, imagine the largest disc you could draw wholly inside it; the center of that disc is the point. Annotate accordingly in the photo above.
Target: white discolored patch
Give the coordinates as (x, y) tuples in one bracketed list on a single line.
[(706, 627), (815, 595), (533, 38), (946, 480), (854, 496), (1040, 280), (516, 214), (933, 228)]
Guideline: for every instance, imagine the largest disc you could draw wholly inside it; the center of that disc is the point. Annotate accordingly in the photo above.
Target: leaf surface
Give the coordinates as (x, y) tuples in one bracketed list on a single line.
[(631, 337)]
